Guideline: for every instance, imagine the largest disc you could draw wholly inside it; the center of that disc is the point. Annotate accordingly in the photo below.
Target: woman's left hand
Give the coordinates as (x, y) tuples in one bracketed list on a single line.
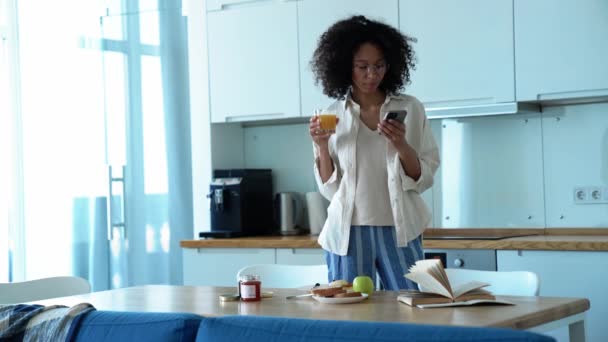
[(394, 131)]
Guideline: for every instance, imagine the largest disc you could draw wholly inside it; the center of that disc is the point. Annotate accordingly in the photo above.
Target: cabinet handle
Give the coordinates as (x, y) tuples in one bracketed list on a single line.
[(481, 110), (226, 5), (454, 103), (575, 94), (264, 116)]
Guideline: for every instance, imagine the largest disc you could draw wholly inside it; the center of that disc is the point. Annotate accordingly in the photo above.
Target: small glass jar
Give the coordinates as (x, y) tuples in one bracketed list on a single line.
[(250, 288)]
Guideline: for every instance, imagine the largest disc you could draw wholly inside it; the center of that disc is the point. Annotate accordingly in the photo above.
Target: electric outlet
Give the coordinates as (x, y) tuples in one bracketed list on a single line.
[(580, 195), (595, 194), (590, 195)]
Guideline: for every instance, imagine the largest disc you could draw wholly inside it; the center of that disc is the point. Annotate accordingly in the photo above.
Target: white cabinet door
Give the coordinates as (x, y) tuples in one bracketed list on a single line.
[(300, 256), (464, 50), (253, 61), (218, 266), (561, 49), (315, 16), (567, 274)]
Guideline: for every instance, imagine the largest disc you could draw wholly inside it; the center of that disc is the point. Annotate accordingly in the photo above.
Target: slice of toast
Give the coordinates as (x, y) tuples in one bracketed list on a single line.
[(327, 292)]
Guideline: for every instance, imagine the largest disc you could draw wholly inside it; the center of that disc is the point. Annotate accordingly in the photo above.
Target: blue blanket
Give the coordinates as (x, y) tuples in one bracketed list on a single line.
[(24, 322)]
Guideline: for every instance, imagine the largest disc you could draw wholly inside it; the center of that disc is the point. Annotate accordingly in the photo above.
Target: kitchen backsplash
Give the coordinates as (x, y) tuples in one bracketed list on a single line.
[(287, 150), (497, 171)]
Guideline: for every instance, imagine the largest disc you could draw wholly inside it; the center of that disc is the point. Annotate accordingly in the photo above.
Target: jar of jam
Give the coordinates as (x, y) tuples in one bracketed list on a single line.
[(250, 288)]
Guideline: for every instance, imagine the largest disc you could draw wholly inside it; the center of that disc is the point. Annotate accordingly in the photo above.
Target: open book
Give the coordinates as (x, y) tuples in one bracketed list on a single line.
[(436, 288)]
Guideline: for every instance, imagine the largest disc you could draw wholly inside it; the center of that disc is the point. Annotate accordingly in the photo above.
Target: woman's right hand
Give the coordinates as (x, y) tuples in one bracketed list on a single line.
[(320, 137)]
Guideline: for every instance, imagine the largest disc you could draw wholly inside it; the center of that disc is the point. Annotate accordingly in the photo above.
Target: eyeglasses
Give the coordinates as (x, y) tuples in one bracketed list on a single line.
[(378, 68)]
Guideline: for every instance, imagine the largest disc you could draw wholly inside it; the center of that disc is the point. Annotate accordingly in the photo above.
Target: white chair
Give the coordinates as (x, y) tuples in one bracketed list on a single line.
[(287, 276), (45, 288), (506, 283)]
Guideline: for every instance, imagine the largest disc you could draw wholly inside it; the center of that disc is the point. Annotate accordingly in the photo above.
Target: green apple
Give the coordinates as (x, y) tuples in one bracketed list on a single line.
[(363, 284)]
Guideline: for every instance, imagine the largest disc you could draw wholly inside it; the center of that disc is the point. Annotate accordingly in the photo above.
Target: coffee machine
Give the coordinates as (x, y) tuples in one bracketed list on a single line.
[(240, 203)]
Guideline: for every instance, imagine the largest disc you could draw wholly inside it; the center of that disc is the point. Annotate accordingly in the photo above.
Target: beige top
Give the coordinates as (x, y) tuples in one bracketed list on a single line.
[(372, 204)]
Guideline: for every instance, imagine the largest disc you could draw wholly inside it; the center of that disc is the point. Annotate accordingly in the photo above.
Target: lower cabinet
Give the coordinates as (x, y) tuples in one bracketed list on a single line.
[(219, 266), (300, 256), (567, 274)]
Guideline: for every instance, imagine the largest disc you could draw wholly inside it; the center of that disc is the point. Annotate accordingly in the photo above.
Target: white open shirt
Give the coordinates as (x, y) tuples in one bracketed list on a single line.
[(410, 213)]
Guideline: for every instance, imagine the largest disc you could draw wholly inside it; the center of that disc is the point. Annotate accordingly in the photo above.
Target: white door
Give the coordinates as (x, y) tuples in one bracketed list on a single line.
[(146, 98)]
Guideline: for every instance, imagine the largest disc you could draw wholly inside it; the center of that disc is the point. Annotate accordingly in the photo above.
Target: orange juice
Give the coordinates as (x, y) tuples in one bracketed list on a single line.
[(328, 122)]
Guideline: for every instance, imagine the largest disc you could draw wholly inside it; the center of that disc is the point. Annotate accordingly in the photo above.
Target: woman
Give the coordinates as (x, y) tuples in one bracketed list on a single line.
[(372, 170)]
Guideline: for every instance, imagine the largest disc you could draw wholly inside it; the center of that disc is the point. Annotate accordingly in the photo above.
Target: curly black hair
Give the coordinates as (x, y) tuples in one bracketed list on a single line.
[(332, 61)]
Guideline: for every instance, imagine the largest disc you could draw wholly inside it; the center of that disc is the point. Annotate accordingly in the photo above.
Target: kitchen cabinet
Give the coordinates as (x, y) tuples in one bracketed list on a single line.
[(567, 274), (464, 51), (314, 17), (253, 60), (219, 266), (561, 49), (300, 256)]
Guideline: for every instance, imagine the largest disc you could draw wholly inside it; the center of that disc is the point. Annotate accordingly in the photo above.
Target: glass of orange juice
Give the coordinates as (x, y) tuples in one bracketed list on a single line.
[(327, 120)]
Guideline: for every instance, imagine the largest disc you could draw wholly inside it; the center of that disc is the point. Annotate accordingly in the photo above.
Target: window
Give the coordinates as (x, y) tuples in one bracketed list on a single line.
[(79, 94)]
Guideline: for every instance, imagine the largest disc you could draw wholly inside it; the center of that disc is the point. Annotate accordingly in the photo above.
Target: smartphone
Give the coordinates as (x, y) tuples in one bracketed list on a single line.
[(398, 115)]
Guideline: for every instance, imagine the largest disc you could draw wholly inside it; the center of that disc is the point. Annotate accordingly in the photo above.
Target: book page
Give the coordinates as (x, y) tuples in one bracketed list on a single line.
[(463, 288), (476, 294), (467, 303), (434, 268), (429, 283)]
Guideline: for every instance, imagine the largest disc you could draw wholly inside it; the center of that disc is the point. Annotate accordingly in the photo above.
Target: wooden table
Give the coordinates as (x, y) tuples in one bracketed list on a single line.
[(533, 313)]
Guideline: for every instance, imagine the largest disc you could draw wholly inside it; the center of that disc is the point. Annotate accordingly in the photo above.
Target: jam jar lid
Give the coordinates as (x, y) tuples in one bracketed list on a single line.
[(249, 277)]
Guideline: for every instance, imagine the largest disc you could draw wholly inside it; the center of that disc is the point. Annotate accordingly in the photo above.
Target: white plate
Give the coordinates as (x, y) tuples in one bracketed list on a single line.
[(338, 300)]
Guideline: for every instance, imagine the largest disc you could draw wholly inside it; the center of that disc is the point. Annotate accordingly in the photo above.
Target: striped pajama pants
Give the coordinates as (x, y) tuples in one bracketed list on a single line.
[(374, 249)]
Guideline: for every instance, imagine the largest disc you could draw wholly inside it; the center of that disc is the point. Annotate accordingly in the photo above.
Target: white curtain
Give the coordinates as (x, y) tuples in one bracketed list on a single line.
[(91, 97), (6, 141)]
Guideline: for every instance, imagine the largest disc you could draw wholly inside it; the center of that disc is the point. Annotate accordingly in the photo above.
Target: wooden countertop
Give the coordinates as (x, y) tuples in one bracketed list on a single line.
[(304, 241), (559, 239)]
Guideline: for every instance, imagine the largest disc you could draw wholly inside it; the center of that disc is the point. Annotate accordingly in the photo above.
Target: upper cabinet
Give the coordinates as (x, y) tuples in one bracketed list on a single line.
[(464, 51), (473, 56), (561, 49), (315, 16), (253, 60)]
